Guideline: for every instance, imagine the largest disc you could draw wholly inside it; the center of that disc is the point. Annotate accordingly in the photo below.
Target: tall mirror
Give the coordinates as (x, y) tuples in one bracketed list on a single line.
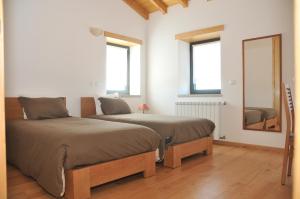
[(262, 83)]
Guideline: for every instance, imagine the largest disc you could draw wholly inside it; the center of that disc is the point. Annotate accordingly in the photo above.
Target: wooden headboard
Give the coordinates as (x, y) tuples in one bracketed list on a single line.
[(13, 109), (88, 106)]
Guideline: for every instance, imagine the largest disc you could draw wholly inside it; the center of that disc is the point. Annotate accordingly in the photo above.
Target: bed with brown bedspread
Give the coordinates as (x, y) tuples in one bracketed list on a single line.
[(253, 116), (266, 113), (44, 149), (173, 130)]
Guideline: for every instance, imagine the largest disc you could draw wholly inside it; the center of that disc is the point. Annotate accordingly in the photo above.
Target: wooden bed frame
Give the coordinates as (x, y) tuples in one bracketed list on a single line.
[(258, 125), (174, 154), (271, 123), (79, 181), (264, 125)]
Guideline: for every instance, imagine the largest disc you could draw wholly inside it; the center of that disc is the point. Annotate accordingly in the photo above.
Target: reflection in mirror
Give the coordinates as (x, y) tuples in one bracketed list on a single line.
[(262, 82)]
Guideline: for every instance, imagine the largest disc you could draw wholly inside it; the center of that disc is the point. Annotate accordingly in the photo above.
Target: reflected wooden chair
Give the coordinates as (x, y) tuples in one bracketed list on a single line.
[(289, 142)]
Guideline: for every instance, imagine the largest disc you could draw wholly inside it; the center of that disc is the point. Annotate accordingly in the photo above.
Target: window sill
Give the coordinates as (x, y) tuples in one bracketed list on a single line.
[(130, 96), (201, 95)]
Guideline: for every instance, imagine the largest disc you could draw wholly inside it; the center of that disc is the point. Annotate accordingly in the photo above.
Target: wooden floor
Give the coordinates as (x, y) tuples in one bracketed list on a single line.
[(235, 173)]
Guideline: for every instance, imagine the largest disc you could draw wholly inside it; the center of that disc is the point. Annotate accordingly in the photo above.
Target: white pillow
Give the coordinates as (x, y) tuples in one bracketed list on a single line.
[(24, 115), (98, 105)]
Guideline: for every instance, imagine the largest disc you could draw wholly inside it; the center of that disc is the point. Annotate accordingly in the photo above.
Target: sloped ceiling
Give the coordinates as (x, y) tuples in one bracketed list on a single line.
[(145, 7)]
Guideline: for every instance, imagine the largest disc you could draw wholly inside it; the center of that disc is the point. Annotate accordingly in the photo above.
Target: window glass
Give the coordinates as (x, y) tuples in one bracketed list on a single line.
[(206, 67), (117, 68)]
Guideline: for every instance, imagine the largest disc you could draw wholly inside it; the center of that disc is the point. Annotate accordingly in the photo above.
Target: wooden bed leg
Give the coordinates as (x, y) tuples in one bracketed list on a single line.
[(209, 150), (78, 184), (150, 166), (172, 158)]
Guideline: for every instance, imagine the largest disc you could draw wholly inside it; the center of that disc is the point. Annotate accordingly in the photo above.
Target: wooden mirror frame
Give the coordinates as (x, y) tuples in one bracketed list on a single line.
[(280, 80)]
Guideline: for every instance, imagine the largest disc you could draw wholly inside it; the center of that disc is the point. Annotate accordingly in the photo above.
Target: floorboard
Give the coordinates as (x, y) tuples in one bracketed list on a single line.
[(231, 172)]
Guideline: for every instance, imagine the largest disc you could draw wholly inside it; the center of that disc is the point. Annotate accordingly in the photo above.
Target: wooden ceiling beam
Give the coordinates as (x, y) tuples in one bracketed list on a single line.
[(200, 34), (184, 3), (113, 38), (138, 8), (159, 4)]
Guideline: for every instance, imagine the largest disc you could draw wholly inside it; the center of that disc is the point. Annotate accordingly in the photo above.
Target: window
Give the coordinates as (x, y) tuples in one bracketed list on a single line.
[(117, 68), (123, 64), (205, 70)]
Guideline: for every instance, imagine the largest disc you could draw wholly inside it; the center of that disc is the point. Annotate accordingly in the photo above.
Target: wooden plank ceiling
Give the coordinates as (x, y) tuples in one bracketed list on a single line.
[(145, 7)]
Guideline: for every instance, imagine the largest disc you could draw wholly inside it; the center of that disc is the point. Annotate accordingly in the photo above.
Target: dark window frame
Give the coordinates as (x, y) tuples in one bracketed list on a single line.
[(192, 86), (127, 90)]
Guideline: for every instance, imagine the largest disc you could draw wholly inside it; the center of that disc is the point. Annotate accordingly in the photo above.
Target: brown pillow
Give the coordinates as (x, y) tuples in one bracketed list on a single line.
[(111, 106), (44, 108)]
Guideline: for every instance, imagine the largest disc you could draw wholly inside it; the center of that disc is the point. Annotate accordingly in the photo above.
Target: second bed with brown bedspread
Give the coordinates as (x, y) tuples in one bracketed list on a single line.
[(172, 129)]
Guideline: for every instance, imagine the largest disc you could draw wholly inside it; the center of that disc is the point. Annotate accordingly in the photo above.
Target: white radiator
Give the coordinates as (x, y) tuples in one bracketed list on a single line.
[(208, 110)]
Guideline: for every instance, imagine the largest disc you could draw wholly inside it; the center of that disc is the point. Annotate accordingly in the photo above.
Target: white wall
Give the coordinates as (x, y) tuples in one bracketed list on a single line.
[(50, 52), (259, 73), (242, 19)]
